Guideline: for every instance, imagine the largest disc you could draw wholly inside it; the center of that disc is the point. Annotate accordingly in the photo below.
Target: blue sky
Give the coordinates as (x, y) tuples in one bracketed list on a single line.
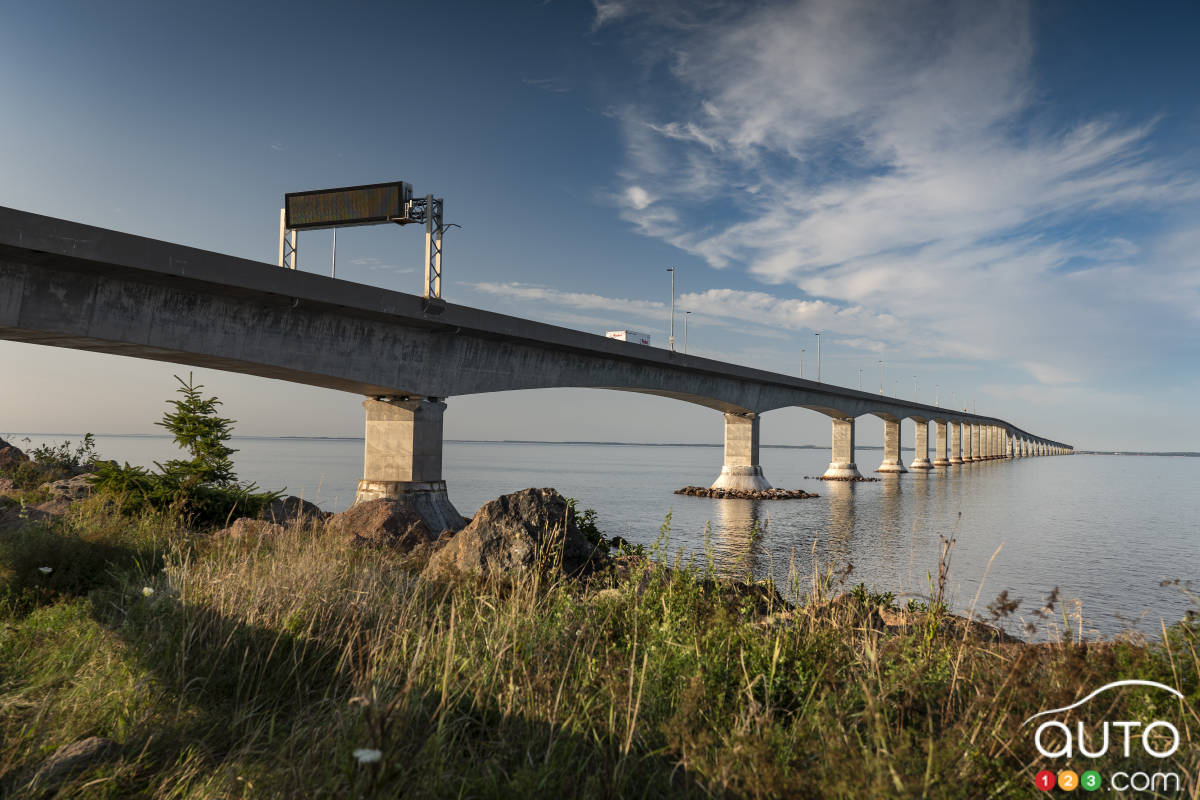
[(998, 199)]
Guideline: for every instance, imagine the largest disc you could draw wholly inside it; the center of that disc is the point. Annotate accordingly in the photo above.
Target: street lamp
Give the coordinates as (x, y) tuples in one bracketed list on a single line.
[(672, 339), (686, 314), (914, 388), (881, 377), (937, 395), (818, 358), (802, 351), (860, 380)]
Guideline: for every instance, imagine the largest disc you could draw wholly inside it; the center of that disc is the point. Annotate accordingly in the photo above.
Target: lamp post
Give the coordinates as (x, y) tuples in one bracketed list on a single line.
[(818, 358), (914, 388), (937, 395), (802, 351), (881, 377), (860, 380), (671, 341), (686, 314)]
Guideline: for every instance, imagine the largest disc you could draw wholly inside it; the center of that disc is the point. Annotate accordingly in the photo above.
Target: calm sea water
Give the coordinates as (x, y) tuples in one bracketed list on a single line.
[(1105, 530)]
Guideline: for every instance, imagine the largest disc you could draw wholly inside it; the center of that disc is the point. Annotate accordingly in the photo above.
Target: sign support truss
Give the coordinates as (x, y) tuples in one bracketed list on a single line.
[(428, 209), (287, 249)]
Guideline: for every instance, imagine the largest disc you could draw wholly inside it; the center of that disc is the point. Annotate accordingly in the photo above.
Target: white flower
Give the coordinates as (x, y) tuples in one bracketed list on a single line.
[(366, 755), (147, 591), (45, 570)]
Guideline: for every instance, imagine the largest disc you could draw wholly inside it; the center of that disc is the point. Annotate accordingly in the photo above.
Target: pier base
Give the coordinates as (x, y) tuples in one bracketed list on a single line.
[(891, 448), (921, 446), (940, 458), (403, 458), (741, 469), (956, 453), (842, 466)]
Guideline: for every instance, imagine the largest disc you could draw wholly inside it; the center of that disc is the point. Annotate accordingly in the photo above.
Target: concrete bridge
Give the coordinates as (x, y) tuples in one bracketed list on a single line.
[(70, 285)]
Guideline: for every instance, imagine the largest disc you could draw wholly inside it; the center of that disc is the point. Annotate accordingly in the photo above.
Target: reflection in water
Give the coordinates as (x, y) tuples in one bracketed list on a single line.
[(840, 532), (742, 529)]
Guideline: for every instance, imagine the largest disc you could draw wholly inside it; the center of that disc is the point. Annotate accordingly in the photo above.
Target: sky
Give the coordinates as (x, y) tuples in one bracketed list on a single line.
[(987, 205)]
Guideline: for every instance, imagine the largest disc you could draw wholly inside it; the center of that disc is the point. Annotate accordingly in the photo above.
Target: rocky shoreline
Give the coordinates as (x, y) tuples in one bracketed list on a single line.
[(746, 494), (859, 479)]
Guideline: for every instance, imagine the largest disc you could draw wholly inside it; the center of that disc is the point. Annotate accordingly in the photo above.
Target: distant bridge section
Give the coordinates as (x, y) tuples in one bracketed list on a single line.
[(65, 284)]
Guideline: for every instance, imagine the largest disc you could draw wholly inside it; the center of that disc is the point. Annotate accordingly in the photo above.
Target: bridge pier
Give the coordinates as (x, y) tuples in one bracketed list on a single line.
[(976, 452), (741, 469), (956, 453), (940, 456), (842, 465), (921, 445), (403, 458), (891, 447)]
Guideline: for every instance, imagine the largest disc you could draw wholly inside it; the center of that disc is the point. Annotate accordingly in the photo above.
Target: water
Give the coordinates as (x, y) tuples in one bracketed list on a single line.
[(1106, 530)]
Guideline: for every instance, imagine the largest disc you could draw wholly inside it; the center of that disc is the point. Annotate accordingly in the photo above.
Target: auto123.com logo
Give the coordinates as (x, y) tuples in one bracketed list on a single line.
[(1071, 734)]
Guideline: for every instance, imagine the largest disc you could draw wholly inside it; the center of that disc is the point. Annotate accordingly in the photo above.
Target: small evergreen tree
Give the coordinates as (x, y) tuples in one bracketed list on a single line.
[(198, 430), (204, 488)]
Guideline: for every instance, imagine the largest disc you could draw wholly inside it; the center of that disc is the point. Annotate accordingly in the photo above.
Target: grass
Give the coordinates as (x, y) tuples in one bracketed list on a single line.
[(255, 668)]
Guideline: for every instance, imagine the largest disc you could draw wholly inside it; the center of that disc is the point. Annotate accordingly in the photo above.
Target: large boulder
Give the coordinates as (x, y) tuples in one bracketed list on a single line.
[(516, 533), (246, 528), (10, 456), (387, 521), (75, 488), (287, 510)]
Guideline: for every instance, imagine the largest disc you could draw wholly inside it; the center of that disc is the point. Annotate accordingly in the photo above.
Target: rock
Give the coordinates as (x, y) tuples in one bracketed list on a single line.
[(746, 494), (55, 506), (859, 479), (7, 485), (10, 456), (75, 488), (246, 528), (511, 534), (287, 510), (72, 758), (387, 521), (18, 517)]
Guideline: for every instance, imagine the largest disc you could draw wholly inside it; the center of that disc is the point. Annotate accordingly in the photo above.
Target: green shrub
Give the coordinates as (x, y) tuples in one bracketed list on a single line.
[(204, 488), (52, 462)]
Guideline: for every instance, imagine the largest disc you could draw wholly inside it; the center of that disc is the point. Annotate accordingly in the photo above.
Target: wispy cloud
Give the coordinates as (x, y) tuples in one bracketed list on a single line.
[(377, 265), (555, 85), (894, 161), (753, 313)]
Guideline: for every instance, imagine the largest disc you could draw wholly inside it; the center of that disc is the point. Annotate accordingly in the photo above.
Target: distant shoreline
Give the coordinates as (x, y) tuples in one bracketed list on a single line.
[(12, 438)]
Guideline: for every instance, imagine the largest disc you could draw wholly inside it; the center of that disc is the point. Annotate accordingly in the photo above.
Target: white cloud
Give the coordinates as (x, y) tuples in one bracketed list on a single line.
[(638, 197), (751, 313), (895, 160)]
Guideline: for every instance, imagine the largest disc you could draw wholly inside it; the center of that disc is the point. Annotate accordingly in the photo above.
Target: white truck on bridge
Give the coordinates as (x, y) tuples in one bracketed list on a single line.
[(630, 336)]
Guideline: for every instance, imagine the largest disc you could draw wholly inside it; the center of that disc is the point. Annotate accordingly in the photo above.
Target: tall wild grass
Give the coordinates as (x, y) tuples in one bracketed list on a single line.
[(275, 667)]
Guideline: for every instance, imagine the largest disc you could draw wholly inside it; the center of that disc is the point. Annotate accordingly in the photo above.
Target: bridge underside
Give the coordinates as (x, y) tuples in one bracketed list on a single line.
[(68, 285)]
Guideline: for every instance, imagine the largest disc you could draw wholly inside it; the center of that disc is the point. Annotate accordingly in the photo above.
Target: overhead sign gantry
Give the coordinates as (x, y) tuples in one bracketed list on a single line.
[(373, 204)]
